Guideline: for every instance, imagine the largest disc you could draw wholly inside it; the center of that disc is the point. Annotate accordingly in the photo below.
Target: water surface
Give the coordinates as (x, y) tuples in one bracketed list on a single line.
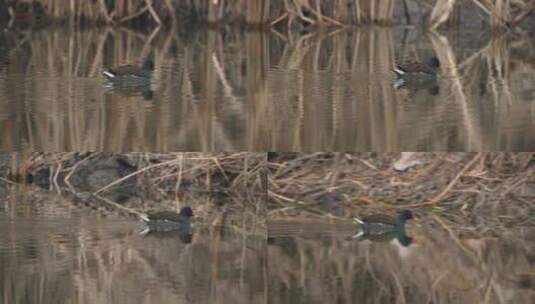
[(55, 251), (320, 262), (265, 91)]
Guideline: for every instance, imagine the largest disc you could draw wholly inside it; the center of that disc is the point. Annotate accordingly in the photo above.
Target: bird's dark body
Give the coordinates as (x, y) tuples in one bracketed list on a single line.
[(170, 220), (384, 228), (411, 69), (130, 72), (416, 67), (165, 216)]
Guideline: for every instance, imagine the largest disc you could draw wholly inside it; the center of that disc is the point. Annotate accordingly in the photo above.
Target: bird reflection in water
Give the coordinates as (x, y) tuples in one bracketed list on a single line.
[(129, 89)]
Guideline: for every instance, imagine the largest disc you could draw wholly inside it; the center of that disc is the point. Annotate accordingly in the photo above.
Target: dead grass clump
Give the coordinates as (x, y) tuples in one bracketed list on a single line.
[(224, 171), (496, 186), (223, 188)]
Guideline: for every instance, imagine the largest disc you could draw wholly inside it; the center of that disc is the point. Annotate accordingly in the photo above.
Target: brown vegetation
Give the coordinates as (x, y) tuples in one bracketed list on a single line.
[(182, 119), (366, 181), (341, 95), (263, 86), (84, 248), (440, 267), (473, 232), (235, 181), (265, 12)]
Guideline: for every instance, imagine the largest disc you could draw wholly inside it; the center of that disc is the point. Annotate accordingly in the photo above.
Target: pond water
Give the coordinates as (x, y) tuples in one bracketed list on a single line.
[(323, 263), (54, 251), (232, 90)]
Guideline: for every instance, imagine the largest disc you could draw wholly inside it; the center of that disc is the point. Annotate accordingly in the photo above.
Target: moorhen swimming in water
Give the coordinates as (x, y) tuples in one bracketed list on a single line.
[(169, 220), (418, 68), (130, 72), (384, 228)]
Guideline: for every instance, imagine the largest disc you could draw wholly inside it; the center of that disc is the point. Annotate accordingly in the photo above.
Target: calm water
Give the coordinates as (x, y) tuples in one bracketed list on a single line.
[(270, 91), (53, 251), (322, 263)]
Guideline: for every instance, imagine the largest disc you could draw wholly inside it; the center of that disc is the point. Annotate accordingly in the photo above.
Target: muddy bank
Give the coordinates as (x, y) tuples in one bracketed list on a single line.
[(471, 237), (485, 191), (221, 187), (91, 171)]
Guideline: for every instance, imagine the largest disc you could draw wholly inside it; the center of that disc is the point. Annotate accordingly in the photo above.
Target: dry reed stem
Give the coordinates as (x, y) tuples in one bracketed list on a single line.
[(73, 169), (7, 181), (448, 188), (134, 174), (501, 12), (134, 15), (104, 11), (139, 215), (440, 12), (447, 56), (179, 177), (453, 235), (153, 12)]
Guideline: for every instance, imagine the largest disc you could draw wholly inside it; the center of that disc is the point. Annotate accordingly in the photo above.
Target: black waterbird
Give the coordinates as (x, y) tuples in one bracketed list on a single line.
[(130, 72), (429, 68), (169, 220), (384, 228)]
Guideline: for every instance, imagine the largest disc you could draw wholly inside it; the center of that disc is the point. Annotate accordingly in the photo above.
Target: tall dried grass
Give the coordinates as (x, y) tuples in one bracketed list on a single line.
[(340, 13), (502, 14)]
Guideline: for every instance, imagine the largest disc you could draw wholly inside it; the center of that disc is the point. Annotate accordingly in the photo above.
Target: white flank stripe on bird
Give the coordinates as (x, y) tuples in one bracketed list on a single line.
[(358, 220), (399, 71), (111, 75)]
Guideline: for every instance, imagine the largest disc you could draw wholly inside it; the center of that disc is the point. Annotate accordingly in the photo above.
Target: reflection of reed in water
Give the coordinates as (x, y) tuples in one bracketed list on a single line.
[(342, 95), (335, 92), (473, 236), (188, 112), (257, 91), (129, 90), (438, 268), (93, 259)]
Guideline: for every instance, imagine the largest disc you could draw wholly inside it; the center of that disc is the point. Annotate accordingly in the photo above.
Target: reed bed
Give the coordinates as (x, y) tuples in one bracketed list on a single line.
[(238, 171), (256, 13), (501, 14), (124, 183), (500, 184), (77, 12)]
